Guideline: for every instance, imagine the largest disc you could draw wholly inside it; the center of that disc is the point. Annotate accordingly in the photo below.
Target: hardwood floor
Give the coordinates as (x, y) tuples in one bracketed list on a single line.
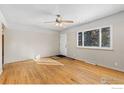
[(73, 72)]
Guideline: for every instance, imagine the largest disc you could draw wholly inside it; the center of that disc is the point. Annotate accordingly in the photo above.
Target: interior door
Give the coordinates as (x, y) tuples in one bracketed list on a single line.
[(63, 44)]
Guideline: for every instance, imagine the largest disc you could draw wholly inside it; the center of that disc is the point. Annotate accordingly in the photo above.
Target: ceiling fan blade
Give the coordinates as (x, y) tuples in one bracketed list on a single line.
[(68, 21), (49, 22)]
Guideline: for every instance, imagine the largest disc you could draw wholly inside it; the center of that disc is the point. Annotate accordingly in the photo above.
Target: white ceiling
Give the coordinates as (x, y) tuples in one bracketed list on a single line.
[(33, 16)]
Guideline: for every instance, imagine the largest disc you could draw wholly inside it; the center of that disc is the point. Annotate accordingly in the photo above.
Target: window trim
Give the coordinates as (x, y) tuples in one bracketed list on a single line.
[(100, 39), (78, 39)]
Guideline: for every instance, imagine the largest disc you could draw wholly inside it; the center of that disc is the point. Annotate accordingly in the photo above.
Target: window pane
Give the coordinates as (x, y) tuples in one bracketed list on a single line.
[(80, 39), (91, 38), (105, 37)]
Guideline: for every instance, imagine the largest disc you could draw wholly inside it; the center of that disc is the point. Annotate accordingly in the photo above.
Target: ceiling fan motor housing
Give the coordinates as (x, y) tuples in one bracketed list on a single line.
[(58, 19)]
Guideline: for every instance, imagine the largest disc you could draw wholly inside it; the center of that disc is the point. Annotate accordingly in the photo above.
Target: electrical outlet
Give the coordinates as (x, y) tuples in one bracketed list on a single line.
[(115, 63)]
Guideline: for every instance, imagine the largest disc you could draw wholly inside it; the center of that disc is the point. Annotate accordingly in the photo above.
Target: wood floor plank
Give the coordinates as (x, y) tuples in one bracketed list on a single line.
[(73, 72)]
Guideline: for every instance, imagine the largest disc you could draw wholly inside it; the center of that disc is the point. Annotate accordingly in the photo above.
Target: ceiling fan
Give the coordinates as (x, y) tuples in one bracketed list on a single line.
[(59, 21)]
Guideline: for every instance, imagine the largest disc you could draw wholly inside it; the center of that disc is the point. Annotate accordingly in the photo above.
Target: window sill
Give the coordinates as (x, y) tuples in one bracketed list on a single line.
[(97, 48)]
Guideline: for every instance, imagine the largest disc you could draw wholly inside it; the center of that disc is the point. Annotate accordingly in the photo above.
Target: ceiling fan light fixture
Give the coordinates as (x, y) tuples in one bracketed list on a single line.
[(60, 24), (57, 24)]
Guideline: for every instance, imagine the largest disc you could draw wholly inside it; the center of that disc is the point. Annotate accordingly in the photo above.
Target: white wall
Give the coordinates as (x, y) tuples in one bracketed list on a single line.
[(24, 41), (22, 44), (100, 57), (0, 48), (2, 20)]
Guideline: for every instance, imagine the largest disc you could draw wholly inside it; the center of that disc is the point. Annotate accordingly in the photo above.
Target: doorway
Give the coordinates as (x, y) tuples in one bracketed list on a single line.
[(63, 44), (3, 28)]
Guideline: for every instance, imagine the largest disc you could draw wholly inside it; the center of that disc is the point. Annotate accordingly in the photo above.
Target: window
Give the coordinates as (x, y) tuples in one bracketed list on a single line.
[(105, 32), (91, 38), (100, 38), (80, 39)]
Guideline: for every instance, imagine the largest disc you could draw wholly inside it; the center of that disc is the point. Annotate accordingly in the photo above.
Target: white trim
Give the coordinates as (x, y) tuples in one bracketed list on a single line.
[(100, 46), (82, 38), (111, 37), (85, 60), (92, 63), (100, 38), (78, 38)]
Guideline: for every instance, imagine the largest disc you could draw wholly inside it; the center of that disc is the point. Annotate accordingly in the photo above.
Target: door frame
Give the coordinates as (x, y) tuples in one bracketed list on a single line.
[(3, 26)]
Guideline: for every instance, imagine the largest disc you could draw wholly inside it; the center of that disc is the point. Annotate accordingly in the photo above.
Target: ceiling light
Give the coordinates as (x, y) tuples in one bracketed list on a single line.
[(57, 24), (61, 24)]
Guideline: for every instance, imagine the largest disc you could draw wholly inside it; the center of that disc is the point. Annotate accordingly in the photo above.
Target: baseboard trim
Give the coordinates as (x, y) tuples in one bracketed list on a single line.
[(83, 60), (86, 61)]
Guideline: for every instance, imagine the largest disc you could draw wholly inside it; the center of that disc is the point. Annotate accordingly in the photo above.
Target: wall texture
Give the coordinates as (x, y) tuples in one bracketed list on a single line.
[(105, 58), (22, 44), (0, 48)]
